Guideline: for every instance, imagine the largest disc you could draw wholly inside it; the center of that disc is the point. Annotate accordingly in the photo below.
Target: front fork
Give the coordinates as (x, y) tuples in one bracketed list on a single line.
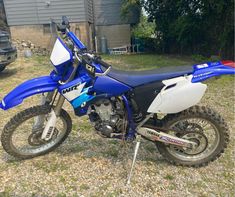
[(39, 120), (51, 122)]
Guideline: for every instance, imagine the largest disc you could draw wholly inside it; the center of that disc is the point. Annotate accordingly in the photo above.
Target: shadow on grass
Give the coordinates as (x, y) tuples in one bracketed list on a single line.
[(111, 149), (7, 73)]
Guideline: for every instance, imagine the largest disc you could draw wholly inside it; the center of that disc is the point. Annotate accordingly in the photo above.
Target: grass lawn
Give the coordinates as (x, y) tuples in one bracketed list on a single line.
[(146, 61), (88, 165)]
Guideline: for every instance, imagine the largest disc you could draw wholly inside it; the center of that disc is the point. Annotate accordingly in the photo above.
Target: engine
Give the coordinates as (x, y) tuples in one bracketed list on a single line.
[(109, 117)]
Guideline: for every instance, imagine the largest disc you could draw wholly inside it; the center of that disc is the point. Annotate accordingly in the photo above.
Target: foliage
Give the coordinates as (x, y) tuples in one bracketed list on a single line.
[(144, 29), (194, 26)]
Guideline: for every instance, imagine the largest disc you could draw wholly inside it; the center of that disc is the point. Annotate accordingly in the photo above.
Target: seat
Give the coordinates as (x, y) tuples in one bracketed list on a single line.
[(138, 78)]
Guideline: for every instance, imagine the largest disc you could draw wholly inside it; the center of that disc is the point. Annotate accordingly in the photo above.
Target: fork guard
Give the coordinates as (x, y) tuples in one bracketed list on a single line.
[(27, 89)]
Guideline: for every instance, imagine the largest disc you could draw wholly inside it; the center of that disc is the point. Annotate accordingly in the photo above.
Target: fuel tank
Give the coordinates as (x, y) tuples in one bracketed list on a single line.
[(105, 84)]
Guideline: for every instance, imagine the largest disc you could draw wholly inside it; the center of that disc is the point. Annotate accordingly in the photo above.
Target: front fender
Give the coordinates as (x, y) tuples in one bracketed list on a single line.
[(27, 89)]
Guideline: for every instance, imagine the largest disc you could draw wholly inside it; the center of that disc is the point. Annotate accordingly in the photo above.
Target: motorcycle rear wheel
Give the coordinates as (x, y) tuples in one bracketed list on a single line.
[(201, 125), (20, 127)]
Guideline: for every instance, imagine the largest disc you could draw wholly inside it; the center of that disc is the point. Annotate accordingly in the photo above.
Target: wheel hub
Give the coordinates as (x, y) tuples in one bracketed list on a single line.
[(35, 138), (201, 142), (192, 132)]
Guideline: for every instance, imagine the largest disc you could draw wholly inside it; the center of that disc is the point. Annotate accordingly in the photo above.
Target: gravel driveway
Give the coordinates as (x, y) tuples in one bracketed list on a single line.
[(87, 165)]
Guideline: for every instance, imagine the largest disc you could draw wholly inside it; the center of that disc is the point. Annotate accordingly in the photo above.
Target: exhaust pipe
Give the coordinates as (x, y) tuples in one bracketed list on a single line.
[(154, 135)]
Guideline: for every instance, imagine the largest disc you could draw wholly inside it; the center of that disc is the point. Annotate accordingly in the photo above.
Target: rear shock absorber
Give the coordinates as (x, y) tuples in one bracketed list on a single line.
[(137, 115)]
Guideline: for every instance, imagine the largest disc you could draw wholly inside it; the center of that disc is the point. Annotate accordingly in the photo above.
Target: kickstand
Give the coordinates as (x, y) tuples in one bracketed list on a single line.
[(138, 139)]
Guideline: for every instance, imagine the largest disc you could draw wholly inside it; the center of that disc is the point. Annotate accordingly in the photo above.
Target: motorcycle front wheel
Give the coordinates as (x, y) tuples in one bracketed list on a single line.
[(201, 125), (22, 140)]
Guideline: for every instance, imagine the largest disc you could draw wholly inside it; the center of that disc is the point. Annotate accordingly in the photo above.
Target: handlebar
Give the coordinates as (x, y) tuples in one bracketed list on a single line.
[(98, 60), (90, 59)]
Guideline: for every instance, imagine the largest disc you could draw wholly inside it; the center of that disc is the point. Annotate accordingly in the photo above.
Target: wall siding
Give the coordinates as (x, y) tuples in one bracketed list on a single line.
[(108, 12), (116, 35), (33, 12), (89, 10)]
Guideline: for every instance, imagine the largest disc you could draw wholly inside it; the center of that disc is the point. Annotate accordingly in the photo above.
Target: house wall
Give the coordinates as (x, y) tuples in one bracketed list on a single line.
[(116, 35), (89, 10), (38, 36), (33, 12), (108, 12), (110, 23)]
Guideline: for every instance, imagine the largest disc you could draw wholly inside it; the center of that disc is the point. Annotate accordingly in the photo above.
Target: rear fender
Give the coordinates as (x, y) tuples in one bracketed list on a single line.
[(27, 89), (205, 71)]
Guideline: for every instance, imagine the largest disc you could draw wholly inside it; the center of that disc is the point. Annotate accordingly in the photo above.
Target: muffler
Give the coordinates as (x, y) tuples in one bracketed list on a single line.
[(154, 135)]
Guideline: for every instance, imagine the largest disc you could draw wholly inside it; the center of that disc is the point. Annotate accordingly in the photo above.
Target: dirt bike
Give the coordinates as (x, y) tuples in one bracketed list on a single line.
[(158, 105)]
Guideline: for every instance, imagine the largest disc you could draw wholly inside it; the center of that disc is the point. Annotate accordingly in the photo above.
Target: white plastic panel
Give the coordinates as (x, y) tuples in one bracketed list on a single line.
[(59, 54), (73, 92), (182, 95)]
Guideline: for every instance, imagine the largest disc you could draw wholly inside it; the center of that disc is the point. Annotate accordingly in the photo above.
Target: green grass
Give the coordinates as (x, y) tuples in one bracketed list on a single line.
[(61, 195), (84, 187), (112, 151), (169, 177), (146, 61)]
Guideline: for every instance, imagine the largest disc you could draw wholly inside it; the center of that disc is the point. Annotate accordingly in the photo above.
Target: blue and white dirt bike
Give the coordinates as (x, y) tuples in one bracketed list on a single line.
[(158, 105)]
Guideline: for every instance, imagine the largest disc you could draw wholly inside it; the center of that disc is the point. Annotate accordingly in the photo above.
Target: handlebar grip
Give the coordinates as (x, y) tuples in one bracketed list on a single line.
[(61, 28), (65, 21), (102, 63)]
